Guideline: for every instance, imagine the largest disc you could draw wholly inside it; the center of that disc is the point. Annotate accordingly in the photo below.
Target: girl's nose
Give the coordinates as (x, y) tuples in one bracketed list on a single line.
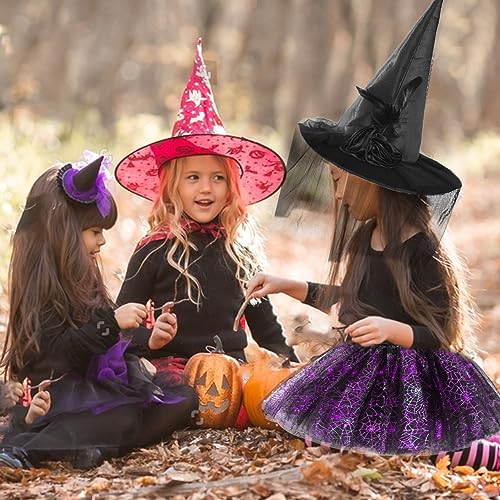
[(205, 186), (102, 240)]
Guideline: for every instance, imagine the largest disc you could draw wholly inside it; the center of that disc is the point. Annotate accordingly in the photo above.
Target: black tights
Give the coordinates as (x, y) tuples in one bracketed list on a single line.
[(159, 421)]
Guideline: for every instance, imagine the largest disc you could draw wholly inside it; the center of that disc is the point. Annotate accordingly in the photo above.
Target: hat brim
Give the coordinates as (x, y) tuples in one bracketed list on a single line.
[(262, 171), (425, 177)]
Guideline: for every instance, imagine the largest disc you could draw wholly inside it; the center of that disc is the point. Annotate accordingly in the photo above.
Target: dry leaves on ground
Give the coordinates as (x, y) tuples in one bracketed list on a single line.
[(250, 464)]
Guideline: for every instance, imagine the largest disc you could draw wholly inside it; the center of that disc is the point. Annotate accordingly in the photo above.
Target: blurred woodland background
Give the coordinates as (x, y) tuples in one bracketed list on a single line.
[(108, 75)]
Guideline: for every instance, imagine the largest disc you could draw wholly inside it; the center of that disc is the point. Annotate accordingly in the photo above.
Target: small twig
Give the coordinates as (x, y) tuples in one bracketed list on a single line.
[(239, 314), (47, 382), (287, 475), (170, 303)]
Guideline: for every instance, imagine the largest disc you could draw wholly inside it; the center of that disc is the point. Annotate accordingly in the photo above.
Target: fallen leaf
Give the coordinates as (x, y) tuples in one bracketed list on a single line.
[(318, 471), (261, 490), (492, 489), (297, 444), (440, 480), (350, 461), (146, 481), (443, 463), (367, 473), (98, 485), (464, 470), (463, 487)]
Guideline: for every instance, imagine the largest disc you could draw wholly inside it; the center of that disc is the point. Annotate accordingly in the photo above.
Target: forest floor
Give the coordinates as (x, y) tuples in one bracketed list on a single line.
[(256, 463)]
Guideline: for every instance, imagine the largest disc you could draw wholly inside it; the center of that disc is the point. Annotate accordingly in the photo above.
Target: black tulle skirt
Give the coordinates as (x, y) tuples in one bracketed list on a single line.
[(117, 406)]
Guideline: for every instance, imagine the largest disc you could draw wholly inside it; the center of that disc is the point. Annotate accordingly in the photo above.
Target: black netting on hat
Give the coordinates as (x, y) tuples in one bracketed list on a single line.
[(313, 184), (308, 183)]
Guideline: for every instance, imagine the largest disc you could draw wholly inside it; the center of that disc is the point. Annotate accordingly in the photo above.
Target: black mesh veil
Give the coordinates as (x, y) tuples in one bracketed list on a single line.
[(312, 185), (308, 183)]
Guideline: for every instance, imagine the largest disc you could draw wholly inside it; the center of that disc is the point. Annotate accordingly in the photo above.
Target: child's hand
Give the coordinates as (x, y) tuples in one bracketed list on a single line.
[(11, 392), (164, 330), (374, 330), (130, 315), (39, 406), (262, 285)]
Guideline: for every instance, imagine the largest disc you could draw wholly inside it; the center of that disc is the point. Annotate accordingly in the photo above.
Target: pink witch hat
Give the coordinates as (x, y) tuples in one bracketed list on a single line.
[(199, 131)]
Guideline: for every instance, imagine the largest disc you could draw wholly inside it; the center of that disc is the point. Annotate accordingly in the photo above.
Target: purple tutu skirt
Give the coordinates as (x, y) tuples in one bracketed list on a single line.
[(113, 379), (388, 399)]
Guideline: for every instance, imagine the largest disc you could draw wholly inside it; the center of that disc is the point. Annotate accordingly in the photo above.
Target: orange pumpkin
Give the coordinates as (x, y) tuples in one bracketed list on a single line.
[(257, 357), (262, 381), (216, 379), (245, 373)]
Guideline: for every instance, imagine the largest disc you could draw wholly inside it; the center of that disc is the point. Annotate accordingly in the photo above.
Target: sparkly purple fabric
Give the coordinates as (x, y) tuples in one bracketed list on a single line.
[(388, 399)]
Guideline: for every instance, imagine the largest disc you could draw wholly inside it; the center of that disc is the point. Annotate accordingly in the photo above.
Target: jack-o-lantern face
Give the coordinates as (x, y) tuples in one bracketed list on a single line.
[(215, 378), (213, 395)]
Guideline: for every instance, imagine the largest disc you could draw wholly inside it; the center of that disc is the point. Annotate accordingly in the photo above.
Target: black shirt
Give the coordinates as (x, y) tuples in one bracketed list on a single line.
[(149, 276), (65, 349), (379, 290)]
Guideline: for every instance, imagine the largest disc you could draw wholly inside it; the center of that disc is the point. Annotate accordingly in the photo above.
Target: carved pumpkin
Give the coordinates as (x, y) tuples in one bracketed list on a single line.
[(216, 379), (262, 381)]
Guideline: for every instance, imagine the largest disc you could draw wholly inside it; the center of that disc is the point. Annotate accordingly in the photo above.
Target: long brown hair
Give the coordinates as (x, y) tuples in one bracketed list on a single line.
[(51, 273), (453, 321), (240, 230)]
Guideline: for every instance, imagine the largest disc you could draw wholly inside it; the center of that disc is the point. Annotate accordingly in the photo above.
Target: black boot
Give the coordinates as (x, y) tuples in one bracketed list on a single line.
[(16, 458)]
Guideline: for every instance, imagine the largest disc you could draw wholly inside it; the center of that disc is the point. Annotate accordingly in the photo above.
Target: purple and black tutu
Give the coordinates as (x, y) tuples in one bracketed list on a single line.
[(388, 399), (116, 406), (113, 379)]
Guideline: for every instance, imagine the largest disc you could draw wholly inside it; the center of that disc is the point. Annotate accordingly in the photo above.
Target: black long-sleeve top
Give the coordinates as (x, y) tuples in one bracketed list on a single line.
[(65, 349), (69, 350), (379, 290), (149, 276)]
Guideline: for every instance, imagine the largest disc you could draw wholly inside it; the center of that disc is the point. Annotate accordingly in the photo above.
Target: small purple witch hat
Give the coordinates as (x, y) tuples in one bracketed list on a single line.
[(85, 183)]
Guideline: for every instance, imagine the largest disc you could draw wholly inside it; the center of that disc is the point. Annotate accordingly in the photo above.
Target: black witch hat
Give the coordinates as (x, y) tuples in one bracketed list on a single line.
[(378, 137)]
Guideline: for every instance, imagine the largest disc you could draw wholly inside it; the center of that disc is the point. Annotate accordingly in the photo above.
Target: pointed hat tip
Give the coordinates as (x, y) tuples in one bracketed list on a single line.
[(199, 49), (85, 179), (436, 5)]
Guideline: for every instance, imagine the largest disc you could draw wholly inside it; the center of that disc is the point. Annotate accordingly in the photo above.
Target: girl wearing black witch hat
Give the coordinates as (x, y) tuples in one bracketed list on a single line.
[(401, 383), (64, 333)]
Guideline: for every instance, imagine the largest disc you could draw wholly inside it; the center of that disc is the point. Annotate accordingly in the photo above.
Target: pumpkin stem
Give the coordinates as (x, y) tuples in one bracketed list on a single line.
[(218, 345)]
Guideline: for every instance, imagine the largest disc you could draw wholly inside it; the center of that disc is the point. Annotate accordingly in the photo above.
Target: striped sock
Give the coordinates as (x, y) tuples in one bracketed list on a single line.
[(481, 453)]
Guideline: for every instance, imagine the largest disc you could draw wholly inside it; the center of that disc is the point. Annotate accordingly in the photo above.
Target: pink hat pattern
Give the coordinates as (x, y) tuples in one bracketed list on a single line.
[(198, 112), (199, 130)]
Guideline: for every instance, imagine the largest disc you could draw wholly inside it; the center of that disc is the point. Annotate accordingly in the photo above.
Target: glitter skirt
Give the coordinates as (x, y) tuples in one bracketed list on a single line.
[(388, 399)]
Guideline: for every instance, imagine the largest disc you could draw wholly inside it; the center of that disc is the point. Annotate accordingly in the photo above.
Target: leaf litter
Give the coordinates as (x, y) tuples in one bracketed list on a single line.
[(250, 464)]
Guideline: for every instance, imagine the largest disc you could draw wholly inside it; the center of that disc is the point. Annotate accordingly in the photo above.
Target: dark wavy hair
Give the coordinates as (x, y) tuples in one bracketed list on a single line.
[(51, 273), (445, 307)]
